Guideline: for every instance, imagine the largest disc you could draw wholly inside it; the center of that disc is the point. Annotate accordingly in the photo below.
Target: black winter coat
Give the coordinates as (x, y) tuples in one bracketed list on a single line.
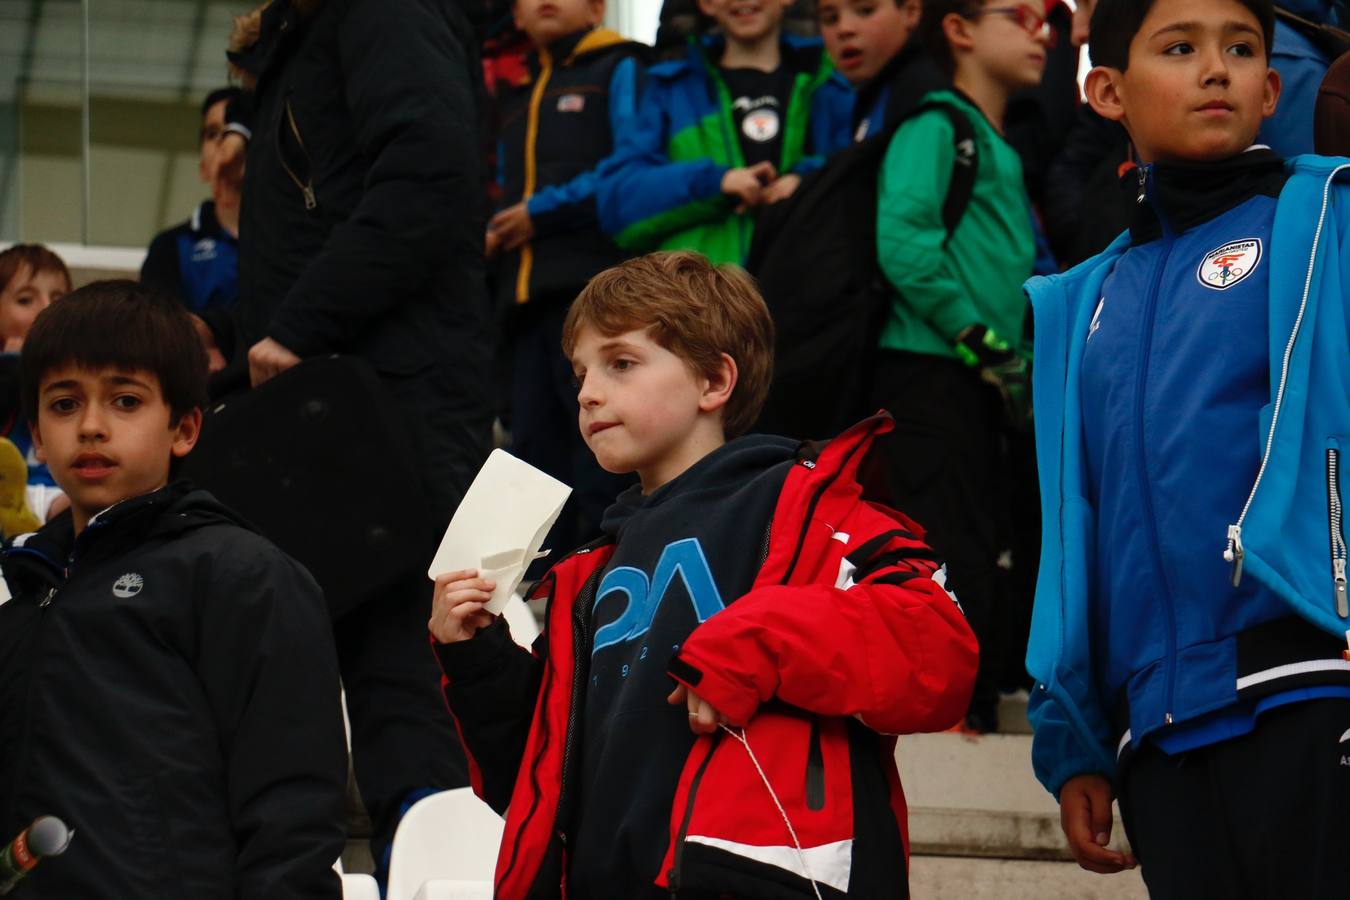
[(361, 227), (169, 688)]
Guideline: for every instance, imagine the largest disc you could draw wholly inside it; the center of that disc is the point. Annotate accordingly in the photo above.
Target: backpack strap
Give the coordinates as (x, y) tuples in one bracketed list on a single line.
[(1329, 39), (964, 166)]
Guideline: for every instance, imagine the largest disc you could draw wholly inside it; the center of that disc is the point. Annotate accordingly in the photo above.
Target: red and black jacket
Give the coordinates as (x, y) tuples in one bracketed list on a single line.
[(847, 638)]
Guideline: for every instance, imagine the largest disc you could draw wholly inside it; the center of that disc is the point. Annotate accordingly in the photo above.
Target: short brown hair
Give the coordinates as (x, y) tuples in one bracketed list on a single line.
[(694, 309), (36, 257)]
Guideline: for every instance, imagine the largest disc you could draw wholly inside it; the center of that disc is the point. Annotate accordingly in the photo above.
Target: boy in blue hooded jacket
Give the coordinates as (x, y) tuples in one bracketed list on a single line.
[(1192, 387)]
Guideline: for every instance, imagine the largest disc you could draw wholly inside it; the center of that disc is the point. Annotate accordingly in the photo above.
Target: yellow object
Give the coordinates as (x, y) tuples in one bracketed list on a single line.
[(15, 516)]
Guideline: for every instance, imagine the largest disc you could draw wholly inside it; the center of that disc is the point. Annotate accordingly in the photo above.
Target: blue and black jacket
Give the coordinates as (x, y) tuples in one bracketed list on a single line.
[(197, 261), (1211, 414), (662, 190), (556, 129)]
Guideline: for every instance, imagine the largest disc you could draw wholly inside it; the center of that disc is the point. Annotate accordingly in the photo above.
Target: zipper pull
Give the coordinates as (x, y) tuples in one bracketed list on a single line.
[(310, 200), (1143, 184), (47, 600), (1342, 604), (1234, 552)]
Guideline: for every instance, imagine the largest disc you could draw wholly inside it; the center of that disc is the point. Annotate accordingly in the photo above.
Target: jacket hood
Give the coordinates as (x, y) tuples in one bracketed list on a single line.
[(248, 30), (727, 467), (173, 509)]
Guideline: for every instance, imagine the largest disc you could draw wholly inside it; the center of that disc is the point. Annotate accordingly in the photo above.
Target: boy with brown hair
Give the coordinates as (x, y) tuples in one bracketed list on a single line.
[(798, 625)]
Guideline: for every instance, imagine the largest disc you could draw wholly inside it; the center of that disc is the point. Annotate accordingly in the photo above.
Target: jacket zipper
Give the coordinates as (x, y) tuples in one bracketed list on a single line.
[(673, 876), (1334, 516), (1146, 494), (307, 186), (581, 668), (1233, 551), (526, 264)]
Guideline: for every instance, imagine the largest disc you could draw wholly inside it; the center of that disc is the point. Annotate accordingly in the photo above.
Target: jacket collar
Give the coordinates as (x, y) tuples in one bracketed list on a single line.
[(571, 47), (1181, 195), (901, 84)]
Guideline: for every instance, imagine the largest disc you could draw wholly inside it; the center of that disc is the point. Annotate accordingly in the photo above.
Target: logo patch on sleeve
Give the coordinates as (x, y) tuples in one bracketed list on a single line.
[(1226, 266)]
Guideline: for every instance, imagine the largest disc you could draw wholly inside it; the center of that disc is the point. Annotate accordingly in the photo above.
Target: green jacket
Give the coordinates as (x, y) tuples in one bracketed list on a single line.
[(662, 188), (975, 278)]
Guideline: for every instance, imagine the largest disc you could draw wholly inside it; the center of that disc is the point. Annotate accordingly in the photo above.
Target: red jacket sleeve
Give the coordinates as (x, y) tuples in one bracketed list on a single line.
[(884, 641)]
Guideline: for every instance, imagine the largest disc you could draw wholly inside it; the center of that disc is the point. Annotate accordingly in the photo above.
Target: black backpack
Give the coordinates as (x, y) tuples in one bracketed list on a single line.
[(815, 258)]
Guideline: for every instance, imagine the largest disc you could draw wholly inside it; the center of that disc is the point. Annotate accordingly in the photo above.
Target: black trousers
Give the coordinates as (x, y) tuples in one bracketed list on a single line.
[(1265, 816), (403, 738), (943, 461)]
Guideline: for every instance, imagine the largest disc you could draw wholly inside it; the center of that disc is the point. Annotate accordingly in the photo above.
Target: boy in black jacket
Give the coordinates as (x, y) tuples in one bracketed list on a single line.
[(558, 124), (168, 685)]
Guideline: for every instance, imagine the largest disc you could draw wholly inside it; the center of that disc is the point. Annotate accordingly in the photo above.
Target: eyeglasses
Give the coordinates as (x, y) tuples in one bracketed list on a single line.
[(1025, 18)]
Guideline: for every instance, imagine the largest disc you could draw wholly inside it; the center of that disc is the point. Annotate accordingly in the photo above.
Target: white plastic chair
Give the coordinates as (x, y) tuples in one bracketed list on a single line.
[(520, 619), (455, 890), (450, 836), (357, 887)]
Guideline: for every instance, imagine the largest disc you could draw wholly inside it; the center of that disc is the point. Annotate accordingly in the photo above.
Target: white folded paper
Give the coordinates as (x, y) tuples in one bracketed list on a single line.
[(500, 524)]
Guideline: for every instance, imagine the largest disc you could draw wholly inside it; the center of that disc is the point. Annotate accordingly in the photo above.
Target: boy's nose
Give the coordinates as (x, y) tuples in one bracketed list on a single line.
[(1216, 67)]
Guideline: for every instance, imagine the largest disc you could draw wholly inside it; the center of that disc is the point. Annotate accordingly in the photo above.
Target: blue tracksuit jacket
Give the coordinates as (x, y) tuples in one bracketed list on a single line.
[(1288, 538)]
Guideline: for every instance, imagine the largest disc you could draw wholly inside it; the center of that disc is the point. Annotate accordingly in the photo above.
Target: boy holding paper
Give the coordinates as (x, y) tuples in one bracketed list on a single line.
[(799, 625)]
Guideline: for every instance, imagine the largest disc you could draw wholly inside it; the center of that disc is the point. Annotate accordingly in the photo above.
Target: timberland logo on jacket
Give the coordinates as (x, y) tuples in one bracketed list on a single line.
[(129, 585), (1223, 267)]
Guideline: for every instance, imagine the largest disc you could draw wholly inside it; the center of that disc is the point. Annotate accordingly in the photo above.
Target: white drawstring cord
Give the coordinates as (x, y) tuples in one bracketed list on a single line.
[(739, 735)]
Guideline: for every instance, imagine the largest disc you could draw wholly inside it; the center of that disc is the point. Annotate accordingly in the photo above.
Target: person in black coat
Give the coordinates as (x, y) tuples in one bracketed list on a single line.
[(361, 233)]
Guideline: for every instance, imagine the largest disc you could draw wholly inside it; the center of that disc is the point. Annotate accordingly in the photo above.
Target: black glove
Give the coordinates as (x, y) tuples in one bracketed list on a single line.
[(1001, 366)]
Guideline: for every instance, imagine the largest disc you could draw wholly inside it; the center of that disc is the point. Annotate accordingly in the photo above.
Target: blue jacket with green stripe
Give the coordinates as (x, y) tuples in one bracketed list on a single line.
[(662, 187)]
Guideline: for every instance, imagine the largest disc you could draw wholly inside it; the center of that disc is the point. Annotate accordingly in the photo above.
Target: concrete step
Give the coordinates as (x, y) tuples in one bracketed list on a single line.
[(952, 878), (976, 796)]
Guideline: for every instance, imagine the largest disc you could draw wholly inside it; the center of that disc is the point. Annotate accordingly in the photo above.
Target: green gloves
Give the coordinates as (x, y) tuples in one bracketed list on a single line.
[(1001, 366)]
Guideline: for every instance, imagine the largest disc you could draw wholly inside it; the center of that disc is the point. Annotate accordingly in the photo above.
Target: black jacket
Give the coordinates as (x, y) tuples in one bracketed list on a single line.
[(169, 688), (568, 108), (361, 226)]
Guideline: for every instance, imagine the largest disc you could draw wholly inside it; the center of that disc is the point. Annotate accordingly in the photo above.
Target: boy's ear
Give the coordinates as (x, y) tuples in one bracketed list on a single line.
[(185, 432), (1102, 88), (597, 11), (515, 15), (910, 10), (956, 29), (1272, 94), (719, 385), (706, 7), (35, 432)]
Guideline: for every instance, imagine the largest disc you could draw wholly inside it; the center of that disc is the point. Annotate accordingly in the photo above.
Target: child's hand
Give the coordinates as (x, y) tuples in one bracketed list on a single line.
[(457, 607), (782, 188), (703, 719), (747, 184), (512, 227), (1085, 816)]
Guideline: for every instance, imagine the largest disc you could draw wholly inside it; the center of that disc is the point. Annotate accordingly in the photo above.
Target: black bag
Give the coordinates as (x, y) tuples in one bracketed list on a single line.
[(815, 258), (316, 459)]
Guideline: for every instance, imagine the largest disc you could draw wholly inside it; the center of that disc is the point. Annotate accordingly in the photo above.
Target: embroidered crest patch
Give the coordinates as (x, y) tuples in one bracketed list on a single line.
[(1225, 266), (571, 103)]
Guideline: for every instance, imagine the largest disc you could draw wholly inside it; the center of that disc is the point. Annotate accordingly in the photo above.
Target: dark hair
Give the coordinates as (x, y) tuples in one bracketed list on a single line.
[(931, 35), (119, 325), (36, 257), (1115, 23), (219, 94)]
